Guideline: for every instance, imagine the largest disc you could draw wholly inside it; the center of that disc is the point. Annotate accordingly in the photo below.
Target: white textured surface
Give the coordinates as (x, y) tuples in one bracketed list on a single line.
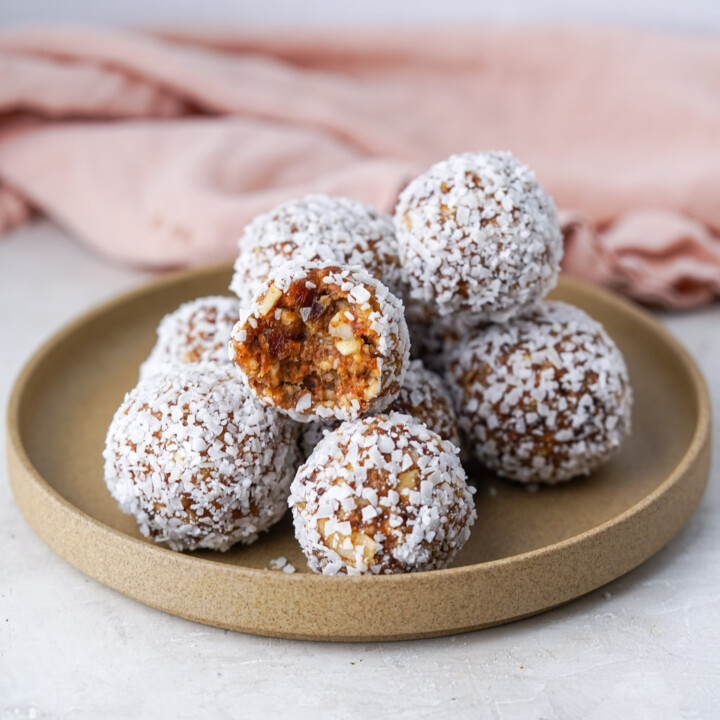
[(645, 646)]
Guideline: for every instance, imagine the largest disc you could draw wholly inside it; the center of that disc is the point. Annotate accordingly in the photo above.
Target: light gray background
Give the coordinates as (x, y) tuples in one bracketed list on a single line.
[(644, 647), (695, 15)]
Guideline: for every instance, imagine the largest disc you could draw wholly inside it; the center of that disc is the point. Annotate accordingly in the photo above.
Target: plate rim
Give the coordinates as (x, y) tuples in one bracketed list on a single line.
[(699, 443)]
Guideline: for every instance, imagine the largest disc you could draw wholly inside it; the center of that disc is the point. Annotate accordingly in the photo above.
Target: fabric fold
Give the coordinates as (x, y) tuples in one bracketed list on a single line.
[(156, 148)]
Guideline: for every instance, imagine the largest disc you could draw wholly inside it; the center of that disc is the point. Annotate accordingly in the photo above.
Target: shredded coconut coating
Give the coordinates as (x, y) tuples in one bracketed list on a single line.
[(315, 228), (544, 398), (381, 495), (423, 396), (198, 331), (433, 336), (312, 433), (478, 235), (322, 342), (197, 461)]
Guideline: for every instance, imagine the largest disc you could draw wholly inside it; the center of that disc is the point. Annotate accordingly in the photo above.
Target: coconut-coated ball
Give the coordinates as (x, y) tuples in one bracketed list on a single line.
[(381, 495), (315, 228), (424, 397), (478, 236), (197, 460), (198, 331), (543, 398), (433, 336)]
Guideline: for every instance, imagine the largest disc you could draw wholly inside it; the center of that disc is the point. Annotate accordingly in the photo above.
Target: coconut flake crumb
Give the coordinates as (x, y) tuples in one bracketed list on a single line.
[(281, 563)]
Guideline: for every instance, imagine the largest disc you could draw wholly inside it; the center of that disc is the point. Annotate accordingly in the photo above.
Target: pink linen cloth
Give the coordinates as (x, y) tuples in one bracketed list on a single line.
[(157, 148)]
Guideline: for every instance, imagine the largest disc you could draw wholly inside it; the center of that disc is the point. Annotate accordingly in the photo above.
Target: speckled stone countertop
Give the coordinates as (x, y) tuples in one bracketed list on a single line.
[(645, 646)]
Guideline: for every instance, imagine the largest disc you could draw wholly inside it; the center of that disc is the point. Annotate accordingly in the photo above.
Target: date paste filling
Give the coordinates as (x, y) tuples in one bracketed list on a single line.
[(317, 343)]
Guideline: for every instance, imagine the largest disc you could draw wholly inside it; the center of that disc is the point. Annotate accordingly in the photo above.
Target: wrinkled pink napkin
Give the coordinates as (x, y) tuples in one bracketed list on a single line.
[(156, 149)]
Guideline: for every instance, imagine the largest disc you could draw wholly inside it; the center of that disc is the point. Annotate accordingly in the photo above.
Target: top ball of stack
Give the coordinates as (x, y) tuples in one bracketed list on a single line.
[(478, 237)]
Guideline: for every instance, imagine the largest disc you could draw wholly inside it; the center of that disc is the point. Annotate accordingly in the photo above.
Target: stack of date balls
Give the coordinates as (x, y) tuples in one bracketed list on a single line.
[(364, 352)]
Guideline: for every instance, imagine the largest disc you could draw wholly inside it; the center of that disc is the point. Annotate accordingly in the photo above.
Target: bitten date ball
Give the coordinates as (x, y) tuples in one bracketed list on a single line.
[(197, 331), (315, 228), (479, 236), (322, 342), (381, 495), (197, 460), (545, 397)]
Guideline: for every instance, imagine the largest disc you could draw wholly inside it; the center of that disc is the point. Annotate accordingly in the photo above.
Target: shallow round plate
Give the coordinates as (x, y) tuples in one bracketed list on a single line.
[(528, 551)]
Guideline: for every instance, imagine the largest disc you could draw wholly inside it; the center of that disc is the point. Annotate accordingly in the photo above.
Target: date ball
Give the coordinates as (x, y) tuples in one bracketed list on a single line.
[(423, 396), (433, 336), (543, 398), (381, 495), (198, 331), (312, 433), (478, 236), (197, 460), (323, 342), (315, 228)]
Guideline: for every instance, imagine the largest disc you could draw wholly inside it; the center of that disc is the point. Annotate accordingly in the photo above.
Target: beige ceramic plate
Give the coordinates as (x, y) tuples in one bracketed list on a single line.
[(528, 552)]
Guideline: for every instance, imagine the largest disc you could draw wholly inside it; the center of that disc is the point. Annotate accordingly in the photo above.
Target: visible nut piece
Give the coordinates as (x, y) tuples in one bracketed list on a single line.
[(349, 347), (268, 302), (408, 479), (339, 326), (347, 546), (288, 317), (372, 390)]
